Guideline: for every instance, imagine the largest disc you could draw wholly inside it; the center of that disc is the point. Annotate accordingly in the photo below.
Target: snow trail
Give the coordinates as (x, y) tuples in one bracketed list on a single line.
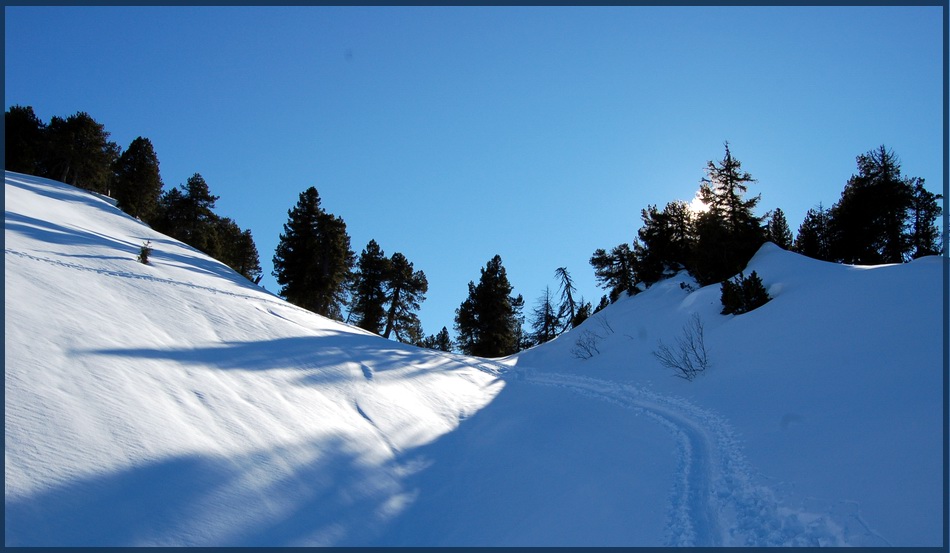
[(715, 500)]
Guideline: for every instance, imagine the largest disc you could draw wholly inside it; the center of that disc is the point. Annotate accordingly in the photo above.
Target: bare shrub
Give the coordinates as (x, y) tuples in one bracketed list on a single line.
[(586, 346), (689, 357)]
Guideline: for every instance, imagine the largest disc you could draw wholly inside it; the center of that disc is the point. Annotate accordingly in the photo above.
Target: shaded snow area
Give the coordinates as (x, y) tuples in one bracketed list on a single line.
[(176, 403)]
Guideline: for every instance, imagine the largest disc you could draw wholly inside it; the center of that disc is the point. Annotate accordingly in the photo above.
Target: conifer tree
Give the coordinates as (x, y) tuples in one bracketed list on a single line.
[(777, 231), (813, 237), (313, 258), (567, 310), (868, 224), (545, 320), (80, 153), (615, 271), (234, 247), (441, 341), (489, 321), (405, 291), (728, 233), (25, 140), (137, 183), (368, 296), (665, 241), (924, 211)]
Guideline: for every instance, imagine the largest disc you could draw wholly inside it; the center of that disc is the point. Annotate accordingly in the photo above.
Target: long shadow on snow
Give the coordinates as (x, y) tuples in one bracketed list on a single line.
[(329, 356), (205, 500)]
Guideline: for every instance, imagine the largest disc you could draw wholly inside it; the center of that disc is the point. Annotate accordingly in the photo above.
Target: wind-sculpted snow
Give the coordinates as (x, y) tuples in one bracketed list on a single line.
[(715, 500)]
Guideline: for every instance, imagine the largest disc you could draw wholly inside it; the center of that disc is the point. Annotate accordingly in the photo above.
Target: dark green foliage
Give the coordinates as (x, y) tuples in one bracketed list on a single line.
[(368, 305), (615, 271), (728, 233), (186, 214), (583, 313), (144, 252), (137, 185), (545, 320), (440, 341), (604, 302), (743, 294), (235, 248), (489, 320), (405, 291), (25, 141), (813, 237), (313, 258), (867, 225), (924, 211), (665, 242), (777, 231), (80, 153)]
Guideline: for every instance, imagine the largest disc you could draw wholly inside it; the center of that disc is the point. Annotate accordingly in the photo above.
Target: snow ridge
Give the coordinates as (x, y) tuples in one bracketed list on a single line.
[(715, 500)]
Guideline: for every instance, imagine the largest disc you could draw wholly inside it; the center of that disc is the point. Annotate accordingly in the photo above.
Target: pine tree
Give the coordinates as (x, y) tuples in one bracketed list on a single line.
[(137, 183), (567, 310), (405, 291), (777, 231), (368, 296), (728, 233), (313, 258), (583, 313), (813, 237), (25, 140), (234, 247), (615, 271), (440, 341), (80, 152), (665, 241), (924, 211), (489, 321), (868, 224), (545, 320)]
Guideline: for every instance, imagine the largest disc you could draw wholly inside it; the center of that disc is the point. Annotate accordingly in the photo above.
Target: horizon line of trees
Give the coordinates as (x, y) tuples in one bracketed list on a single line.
[(77, 150), (881, 217)]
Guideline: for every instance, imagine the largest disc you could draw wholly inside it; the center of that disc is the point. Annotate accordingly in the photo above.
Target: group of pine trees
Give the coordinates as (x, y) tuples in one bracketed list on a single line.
[(881, 217), (77, 150), (317, 270)]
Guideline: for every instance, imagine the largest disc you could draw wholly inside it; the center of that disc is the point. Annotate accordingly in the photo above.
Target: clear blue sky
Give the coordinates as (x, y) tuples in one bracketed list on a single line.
[(454, 134)]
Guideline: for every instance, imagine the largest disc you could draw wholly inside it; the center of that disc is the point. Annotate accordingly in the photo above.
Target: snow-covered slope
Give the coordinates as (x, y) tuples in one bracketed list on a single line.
[(177, 404)]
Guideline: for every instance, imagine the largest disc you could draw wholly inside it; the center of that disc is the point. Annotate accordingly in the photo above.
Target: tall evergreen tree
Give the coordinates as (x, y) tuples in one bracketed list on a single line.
[(489, 320), (777, 231), (80, 152), (665, 241), (25, 140), (615, 271), (137, 183), (313, 258), (924, 211), (728, 233), (368, 297), (405, 291), (814, 238), (545, 319), (868, 224)]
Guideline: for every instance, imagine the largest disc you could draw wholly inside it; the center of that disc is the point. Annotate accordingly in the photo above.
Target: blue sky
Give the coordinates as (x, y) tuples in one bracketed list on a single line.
[(454, 134)]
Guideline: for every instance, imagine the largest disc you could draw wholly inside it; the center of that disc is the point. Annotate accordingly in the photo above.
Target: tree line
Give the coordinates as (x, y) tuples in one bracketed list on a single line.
[(881, 217), (77, 150)]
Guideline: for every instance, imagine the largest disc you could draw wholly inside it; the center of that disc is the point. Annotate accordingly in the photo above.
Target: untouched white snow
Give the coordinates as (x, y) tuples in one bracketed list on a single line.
[(177, 404)]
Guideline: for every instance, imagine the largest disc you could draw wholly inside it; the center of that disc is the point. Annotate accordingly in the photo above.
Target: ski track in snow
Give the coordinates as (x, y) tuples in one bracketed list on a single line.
[(715, 500)]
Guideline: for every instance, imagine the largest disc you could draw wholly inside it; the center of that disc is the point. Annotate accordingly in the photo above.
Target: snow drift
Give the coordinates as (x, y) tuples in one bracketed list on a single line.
[(177, 404)]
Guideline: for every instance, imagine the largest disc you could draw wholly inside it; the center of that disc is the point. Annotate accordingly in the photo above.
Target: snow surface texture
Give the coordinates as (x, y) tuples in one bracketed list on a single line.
[(177, 404)]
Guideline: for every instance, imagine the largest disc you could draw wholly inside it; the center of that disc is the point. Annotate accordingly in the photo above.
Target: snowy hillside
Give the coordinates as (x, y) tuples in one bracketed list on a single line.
[(177, 404)]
